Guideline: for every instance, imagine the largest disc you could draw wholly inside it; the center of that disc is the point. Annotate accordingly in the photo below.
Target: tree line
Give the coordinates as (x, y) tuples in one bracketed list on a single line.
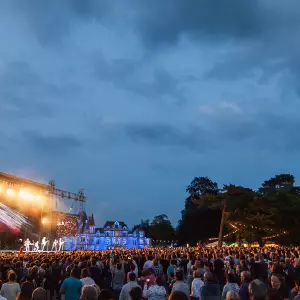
[(269, 213)]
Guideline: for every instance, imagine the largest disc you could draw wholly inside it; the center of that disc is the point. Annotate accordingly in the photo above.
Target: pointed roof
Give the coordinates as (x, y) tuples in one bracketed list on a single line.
[(91, 220), (111, 224)]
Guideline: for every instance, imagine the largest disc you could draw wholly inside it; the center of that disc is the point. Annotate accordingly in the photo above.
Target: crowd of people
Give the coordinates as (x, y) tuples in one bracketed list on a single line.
[(200, 273)]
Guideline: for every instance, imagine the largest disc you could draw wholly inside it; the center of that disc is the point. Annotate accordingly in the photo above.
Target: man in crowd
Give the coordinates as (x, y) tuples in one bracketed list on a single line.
[(71, 287), (124, 295), (210, 290)]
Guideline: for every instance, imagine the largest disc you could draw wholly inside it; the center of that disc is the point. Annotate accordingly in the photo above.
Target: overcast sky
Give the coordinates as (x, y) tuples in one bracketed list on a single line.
[(132, 99)]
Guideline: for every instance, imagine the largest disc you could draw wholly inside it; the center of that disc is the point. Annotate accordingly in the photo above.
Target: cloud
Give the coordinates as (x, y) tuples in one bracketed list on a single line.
[(125, 74), (53, 144), (95, 86), (52, 21), (194, 139), (214, 18)]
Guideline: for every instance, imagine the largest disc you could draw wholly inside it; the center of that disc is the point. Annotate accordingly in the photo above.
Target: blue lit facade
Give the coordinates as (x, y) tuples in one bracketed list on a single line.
[(113, 235)]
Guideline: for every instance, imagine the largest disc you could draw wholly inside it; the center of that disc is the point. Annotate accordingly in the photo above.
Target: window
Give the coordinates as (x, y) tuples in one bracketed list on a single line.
[(97, 242)]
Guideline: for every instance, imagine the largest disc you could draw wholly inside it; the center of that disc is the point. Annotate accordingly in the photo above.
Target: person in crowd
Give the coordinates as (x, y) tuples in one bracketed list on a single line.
[(257, 290), (97, 289), (11, 289), (196, 285), (96, 273), (232, 295), (88, 292), (210, 290), (259, 269), (136, 293), (133, 268), (295, 291), (124, 295), (190, 276), (231, 285), (218, 269), (85, 278), (39, 294), (178, 295), (106, 294), (277, 291), (171, 270), (26, 291), (155, 291), (148, 263), (19, 271), (296, 272), (148, 275), (245, 281), (179, 284), (157, 268), (118, 276), (55, 277), (71, 287), (40, 280)]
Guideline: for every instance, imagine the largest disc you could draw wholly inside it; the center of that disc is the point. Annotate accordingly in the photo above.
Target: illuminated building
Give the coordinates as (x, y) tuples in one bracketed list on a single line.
[(113, 235)]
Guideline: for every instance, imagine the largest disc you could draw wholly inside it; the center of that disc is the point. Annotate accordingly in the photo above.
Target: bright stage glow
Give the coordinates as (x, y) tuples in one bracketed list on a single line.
[(11, 218), (38, 197), (9, 192), (21, 194), (44, 220)]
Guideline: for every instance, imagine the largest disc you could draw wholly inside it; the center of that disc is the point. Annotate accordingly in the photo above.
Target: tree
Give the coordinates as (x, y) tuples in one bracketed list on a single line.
[(145, 226), (161, 228), (204, 191), (202, 186), (270, 212), (273, 211), (231, 200), (197, 223)]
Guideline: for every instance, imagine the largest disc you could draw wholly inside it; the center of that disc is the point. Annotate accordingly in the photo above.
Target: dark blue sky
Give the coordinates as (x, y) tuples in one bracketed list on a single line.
[(132, 99)]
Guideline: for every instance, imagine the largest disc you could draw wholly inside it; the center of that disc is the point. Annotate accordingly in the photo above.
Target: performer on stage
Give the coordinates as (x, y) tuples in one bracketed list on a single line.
[(36, 246), (27, 245), (44, 243), (54, 245), (61, 244)]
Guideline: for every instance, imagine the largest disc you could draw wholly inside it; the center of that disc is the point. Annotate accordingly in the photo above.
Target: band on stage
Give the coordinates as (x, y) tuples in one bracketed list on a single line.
[(35, 246)]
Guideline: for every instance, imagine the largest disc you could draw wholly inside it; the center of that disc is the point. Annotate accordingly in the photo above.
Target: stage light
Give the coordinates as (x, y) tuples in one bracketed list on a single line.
[(44, 220), (21, 194), (30, 196), (9, 192)]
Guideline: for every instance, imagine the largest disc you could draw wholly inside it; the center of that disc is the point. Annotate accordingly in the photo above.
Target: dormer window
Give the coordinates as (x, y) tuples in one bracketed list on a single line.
[(116, 224)]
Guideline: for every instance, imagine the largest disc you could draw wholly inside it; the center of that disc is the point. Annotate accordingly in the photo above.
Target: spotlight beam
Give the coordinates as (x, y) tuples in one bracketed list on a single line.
[(11, 218)]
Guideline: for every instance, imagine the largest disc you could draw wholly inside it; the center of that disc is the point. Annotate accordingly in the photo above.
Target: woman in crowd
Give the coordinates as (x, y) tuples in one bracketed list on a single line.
[(26, 291), (85, 278), (88, 292), (11, 289), (155, 291), (231, 285)]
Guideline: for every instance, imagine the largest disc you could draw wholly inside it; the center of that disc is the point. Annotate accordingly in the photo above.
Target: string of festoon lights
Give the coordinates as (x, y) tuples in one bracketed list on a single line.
[(228, 234), (237, 226), (164, 241), (275, 235)]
